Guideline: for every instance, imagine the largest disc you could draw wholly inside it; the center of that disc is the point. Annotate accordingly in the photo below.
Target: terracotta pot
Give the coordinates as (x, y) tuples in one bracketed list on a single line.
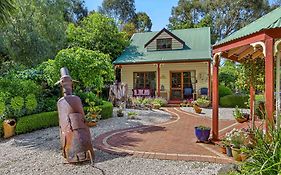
[(197, 109), (223, 149), (91, 124), (236, 154), (243, 156), (241, 120)]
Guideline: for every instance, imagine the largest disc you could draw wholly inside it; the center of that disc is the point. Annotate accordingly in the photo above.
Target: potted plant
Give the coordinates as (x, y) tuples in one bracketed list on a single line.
[(238, 115), (224, 145), (202, 133), (203, 102), (227, 142), (92, 121), (92, 116), (237, 141), (132, 115), (243, 153), (120, 113)]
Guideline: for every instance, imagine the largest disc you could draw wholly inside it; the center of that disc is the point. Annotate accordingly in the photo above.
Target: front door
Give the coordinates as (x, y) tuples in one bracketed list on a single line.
[(182, 85)]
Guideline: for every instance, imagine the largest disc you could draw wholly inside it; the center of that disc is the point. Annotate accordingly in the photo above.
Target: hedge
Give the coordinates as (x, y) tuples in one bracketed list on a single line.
[(224, 91), (37, 121), (1, 127), (49, 119), (231, 101), (107, 110)]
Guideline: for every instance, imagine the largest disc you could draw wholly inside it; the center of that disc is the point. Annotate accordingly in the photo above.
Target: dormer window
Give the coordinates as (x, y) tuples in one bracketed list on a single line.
[(164, 44)]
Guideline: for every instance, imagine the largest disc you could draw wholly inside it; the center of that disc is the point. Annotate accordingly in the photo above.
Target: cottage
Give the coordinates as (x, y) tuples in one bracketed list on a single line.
[(171, 64)]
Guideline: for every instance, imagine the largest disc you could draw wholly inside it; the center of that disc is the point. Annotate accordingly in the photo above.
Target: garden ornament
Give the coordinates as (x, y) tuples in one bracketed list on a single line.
[(75, 135)]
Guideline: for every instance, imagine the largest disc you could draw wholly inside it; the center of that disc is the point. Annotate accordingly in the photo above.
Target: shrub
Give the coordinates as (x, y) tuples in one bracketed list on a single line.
[(30, 103), (2, 107), (36, 121), (161, 101), (146, 101), (223, 91), (17, 104), (48, 104), (231, 101), (1, 127), (266, 155), (89, 97), (106, 110), (82, 65)]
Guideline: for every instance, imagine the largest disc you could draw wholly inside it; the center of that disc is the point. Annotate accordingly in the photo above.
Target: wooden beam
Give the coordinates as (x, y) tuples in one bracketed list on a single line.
[(239, 42), (209, 79), (257, 54), (269, 82), (245, 53), (158, 79), (233, 51), (252, 104), (215, 100)]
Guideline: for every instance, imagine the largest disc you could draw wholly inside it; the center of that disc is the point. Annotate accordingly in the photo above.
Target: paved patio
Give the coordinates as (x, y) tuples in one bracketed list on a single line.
[(173, 140)]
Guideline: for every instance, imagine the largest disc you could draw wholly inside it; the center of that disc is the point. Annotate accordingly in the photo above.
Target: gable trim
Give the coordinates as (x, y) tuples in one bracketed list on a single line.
[(167, 31)]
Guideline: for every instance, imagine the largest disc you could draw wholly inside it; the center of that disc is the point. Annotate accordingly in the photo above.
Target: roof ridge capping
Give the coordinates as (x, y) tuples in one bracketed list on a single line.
[(255, 26)]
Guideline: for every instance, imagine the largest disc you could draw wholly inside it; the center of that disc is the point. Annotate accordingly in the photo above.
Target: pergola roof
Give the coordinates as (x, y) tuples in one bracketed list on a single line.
[(269, 21)]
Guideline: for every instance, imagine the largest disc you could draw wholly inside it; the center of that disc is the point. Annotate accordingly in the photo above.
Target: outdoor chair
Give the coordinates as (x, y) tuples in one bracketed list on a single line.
[(203, 91), (188, 93)]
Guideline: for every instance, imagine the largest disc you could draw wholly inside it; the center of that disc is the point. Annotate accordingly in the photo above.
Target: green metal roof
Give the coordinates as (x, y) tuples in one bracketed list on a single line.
[(268, 21), (197, 47)]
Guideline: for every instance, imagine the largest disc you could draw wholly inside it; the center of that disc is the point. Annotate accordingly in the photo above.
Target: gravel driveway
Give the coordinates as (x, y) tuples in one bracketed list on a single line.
[(39, 153)]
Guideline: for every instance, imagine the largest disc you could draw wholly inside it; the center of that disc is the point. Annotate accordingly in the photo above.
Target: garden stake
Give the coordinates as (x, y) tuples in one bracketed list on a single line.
[(75, 135)]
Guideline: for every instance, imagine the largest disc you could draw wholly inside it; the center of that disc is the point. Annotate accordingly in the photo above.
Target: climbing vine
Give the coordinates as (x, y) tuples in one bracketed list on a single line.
[(251, 70)]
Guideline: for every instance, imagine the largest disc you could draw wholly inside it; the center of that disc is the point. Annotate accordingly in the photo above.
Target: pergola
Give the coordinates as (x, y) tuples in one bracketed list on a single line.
[(260, 39)]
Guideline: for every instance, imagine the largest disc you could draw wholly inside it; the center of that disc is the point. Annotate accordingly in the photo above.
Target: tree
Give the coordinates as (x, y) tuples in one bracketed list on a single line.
[(91, 68), (35, 33), (223, 16), (99, 33), (142, 22), (187, 14), (228, 74), (6, 9), (121, 10), (129, 29), (76, 11)]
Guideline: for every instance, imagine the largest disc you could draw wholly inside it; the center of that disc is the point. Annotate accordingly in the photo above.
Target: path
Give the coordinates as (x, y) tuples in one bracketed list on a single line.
[(174, 140)]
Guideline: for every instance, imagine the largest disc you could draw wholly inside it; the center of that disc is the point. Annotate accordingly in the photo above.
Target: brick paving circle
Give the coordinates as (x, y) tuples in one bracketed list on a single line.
[(173, 140)]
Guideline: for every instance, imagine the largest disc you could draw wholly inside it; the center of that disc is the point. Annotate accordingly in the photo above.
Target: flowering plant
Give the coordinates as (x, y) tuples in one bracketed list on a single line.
[(236, 137)]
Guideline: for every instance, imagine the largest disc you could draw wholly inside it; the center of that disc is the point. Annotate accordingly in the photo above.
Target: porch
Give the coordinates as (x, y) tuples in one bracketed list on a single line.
[(175, 81)]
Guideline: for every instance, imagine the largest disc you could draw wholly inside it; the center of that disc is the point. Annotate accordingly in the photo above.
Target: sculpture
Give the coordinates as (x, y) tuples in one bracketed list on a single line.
[(75, 135)]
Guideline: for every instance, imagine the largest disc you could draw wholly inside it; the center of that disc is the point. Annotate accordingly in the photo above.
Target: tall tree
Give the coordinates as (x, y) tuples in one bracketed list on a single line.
[(121, 10), (99, 33), (36, 32), (143, 22), (140, 23), (6, 8), (223, 16), (76, 11)]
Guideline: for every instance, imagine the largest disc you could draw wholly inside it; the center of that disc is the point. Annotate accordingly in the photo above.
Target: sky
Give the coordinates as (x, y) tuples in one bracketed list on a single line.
[(159, 11)]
